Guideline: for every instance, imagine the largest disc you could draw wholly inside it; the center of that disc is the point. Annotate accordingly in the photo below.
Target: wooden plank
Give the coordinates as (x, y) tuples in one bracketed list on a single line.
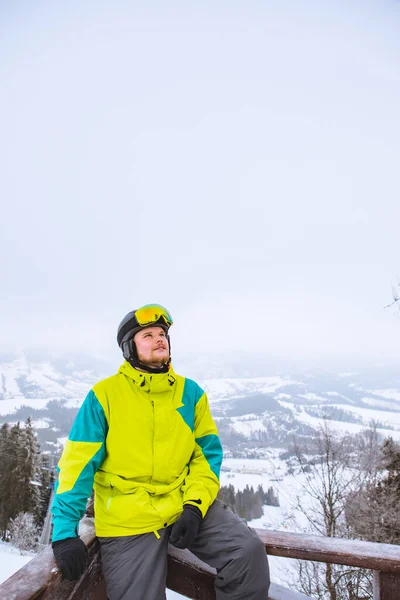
[(40, 578), (354, 553), (194, 579), (98, 592), (190, 580), (189, 576), (386, 586), (32, 580)]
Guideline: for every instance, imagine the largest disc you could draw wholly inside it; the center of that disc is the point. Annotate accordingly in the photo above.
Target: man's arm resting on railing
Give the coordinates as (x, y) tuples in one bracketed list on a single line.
[(83, 455)]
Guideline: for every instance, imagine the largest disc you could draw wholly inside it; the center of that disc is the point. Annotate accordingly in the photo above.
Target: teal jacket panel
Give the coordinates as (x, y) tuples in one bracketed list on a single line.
[(83, 455)]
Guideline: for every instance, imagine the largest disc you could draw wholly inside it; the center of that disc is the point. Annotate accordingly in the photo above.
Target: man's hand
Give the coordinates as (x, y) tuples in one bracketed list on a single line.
[(184, 531), (71, 557)]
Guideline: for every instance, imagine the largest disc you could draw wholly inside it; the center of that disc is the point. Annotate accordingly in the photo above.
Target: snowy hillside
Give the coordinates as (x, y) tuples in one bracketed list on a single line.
[(271, 410), (36, 377), (11, 560), (262, 411)]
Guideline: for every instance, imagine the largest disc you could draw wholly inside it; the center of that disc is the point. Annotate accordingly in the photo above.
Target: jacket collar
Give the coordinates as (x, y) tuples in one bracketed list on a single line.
[(156, 382)]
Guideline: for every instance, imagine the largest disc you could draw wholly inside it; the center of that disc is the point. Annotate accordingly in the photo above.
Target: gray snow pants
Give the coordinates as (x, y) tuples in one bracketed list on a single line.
[(135, 567)]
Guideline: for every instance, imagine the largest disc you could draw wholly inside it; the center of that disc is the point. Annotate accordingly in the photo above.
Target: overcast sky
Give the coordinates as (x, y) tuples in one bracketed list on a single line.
[(238, 162)]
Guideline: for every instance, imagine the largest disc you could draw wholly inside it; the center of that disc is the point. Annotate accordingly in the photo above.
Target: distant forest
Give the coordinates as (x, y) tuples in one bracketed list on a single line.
[(248, 503)]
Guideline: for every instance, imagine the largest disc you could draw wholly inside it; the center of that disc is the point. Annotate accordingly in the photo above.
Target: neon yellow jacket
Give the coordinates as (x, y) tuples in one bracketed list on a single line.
[(149, 445)]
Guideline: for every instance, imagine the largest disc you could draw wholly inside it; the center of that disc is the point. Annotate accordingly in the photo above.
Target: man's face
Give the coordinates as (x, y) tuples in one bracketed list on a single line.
[(152, 346)]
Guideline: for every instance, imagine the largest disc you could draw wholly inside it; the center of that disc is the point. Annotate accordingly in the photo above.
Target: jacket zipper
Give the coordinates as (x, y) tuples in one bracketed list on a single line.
[(152, 448)]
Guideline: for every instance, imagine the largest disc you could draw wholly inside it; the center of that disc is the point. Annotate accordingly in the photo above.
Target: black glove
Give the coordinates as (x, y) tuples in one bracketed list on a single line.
[(71, 557), (184, 531)]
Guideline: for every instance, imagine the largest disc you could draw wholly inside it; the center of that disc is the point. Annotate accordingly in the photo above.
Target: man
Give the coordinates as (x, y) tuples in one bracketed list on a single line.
[(146, 439)]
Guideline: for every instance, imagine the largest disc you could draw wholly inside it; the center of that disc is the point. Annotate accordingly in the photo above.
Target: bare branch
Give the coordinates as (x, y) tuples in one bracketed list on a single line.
[(396, 296)]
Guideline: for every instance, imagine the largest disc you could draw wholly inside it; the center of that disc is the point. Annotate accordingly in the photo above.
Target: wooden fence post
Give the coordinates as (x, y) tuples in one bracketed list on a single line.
[(386, 586)]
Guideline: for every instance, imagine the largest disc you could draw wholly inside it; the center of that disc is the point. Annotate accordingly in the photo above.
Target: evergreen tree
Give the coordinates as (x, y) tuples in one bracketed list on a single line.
[(5, 469), (24, 485), (29, 471), (47, 481), (11, 482), (271, 498)]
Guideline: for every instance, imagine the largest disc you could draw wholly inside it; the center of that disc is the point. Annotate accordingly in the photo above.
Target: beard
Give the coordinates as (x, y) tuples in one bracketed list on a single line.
[(157, 358)]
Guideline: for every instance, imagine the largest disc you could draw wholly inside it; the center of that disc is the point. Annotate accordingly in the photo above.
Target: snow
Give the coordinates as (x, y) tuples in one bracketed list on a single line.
[(390, 419), (219, 389), (312, 396), (247, 424), (266, 472), (390, 394), (41, 424), (74, 402), (11, 386), (342, 427), (172, 595), (381, 403), (41, 380), (11, 560), (7, 407)]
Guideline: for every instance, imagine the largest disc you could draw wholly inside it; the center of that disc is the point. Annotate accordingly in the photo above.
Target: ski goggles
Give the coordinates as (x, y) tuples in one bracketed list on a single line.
[(151, 313)]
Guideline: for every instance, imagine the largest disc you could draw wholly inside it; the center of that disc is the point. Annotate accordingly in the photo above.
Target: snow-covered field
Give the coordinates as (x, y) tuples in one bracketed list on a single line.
[(271, 471), (220, 389), (389, 422), (11, 560)]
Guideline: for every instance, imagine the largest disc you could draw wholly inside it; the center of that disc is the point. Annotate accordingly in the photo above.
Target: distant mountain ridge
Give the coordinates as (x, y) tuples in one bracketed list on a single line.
[(47, 376), (250, 411)]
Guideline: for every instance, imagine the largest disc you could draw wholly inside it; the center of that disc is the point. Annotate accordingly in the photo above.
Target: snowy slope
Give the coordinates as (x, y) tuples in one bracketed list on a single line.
[(271, 471), (220, 389), (11, 560), (45, 377), (269, 408)]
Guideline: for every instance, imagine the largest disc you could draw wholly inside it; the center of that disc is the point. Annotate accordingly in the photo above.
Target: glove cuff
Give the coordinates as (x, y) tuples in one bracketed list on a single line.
[(59, 542), (193, 509)]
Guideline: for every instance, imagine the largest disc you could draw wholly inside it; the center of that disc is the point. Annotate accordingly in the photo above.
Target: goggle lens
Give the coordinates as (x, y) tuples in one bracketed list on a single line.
[(151, 313)]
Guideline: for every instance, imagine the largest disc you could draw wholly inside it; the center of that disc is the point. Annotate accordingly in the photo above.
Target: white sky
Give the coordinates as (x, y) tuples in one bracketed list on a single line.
[(237, 162)]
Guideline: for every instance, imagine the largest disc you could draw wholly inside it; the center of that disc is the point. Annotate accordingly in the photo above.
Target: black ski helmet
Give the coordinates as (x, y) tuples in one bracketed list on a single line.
[(147, 316)]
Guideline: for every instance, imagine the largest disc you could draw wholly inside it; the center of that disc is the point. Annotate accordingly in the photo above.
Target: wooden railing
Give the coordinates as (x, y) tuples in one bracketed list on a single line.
[(40, 579)]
